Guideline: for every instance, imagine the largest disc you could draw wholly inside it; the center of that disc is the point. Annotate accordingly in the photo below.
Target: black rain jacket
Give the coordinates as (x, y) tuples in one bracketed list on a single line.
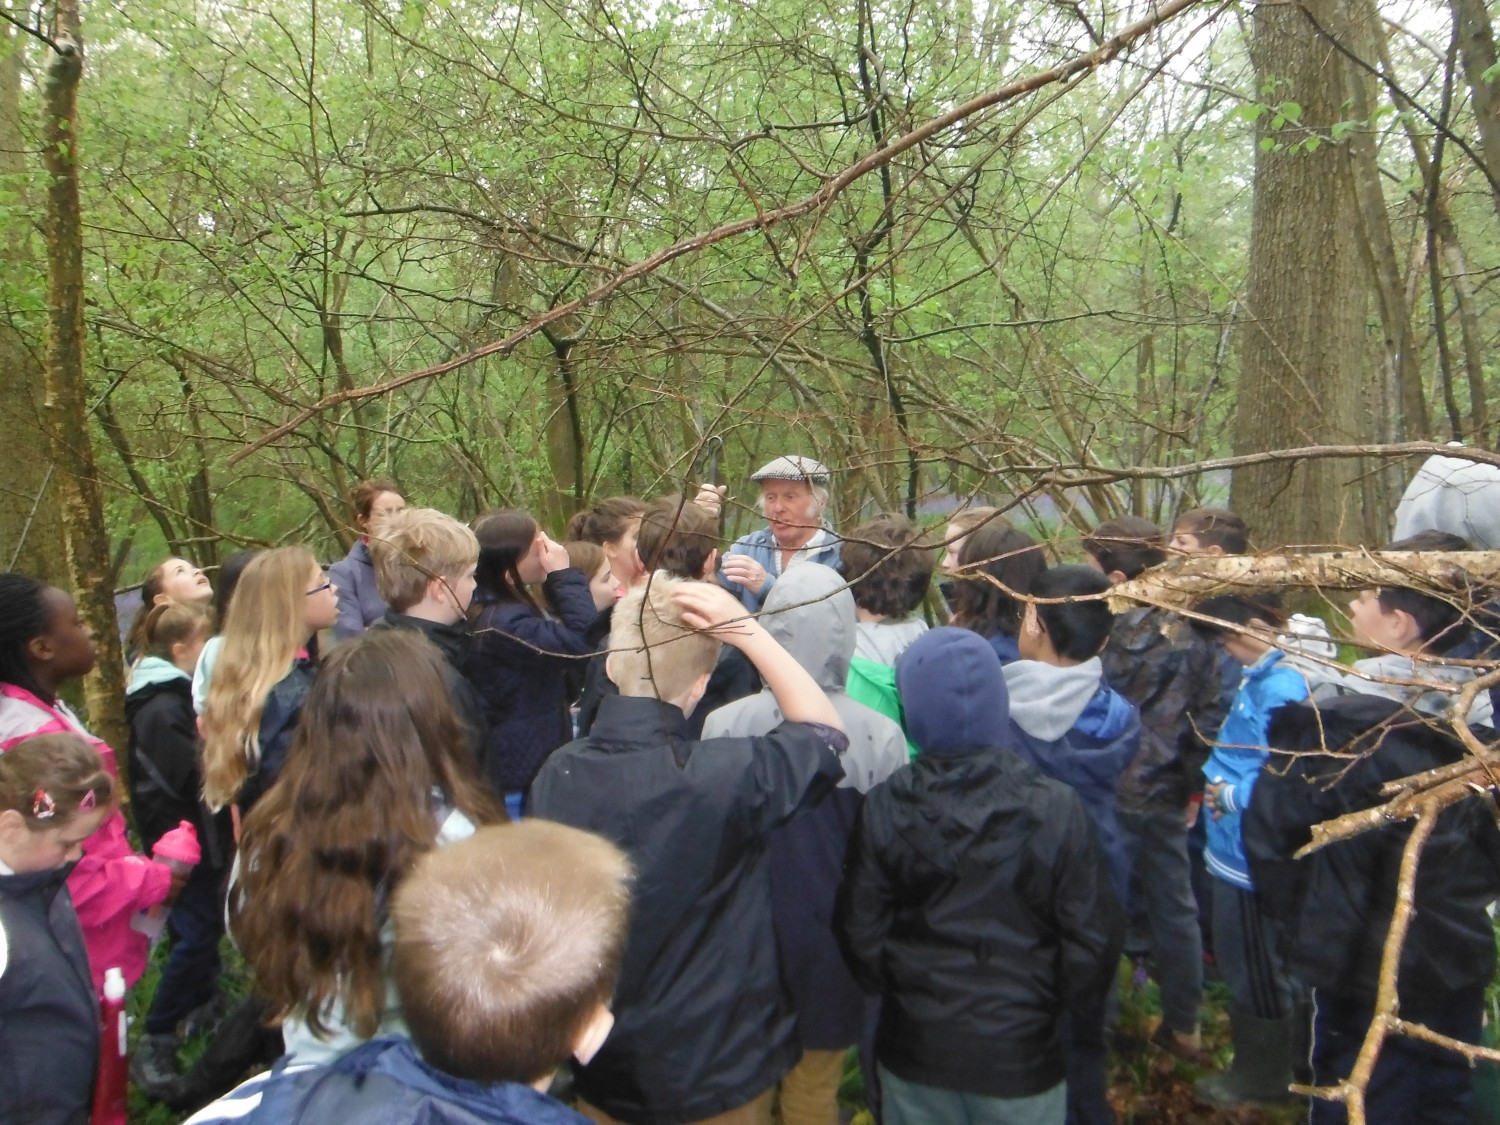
[(1175, 678), (978, 903), (1337, 902), (702, 1024)]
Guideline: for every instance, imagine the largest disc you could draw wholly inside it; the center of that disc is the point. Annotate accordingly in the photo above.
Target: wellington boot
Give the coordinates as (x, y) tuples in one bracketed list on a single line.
[(1262, 1066)]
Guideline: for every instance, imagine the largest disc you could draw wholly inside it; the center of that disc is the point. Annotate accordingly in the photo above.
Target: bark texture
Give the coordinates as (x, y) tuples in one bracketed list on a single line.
[(66, 405), (1308, 372), (30, 513)]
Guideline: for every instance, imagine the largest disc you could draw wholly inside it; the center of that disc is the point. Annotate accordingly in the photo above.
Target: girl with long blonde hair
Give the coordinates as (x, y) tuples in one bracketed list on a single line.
[(263, 673)]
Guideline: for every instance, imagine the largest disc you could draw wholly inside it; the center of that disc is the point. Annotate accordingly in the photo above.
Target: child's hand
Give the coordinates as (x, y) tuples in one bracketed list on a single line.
[(709, 608), (1211, 799), (711, 497), (554, 556)]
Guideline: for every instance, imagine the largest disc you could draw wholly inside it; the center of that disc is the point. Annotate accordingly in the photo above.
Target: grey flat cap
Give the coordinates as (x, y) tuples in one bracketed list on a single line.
[(793, 466)]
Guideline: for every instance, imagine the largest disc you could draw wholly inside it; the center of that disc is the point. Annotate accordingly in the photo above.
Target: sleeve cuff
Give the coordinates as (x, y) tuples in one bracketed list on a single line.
[(837, 740)]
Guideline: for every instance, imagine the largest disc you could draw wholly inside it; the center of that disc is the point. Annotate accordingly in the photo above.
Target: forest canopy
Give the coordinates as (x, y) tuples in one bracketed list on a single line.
[(282, 203)]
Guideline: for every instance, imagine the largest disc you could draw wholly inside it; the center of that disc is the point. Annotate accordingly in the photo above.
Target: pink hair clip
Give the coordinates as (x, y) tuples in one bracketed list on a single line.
[(43, 807), (89, 803)]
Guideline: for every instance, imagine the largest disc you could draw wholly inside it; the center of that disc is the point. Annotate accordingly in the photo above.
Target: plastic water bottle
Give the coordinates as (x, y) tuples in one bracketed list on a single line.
[(109, 1089)]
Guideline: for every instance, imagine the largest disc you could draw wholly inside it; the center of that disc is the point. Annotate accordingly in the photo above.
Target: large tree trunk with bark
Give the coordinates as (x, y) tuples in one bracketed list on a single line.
[(1476, 45), (66, 408), (30, 512), (1308, 373)]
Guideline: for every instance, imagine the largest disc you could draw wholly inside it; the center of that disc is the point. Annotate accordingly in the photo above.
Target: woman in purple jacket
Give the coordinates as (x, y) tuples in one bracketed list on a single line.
[(360, 604), (523, 649)]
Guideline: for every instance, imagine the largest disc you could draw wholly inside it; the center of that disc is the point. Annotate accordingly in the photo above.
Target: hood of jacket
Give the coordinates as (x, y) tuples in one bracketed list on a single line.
[(811, 614), (152, 670), (953, 694), (427, 1094), (1046, 701)]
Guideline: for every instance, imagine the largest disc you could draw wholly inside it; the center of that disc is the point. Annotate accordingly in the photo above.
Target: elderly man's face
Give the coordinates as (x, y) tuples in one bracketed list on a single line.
[(791, 511)]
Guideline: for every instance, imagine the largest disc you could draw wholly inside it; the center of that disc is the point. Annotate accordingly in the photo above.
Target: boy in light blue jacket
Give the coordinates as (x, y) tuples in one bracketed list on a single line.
[(1262, 1004)]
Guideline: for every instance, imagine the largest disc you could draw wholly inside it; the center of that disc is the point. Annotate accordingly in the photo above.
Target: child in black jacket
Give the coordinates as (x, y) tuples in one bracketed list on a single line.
[(703, 1026), (976, 902), (166, 783), (1336, 903)]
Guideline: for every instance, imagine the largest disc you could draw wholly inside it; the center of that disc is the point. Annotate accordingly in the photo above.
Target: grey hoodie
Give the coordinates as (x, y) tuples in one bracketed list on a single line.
[(1454, 495), (1046, 700), (812, 616), (1421, 691)]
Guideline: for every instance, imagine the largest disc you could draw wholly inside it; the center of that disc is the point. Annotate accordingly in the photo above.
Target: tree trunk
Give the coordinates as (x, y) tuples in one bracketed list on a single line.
[(30, 509), (1476, 46), (77, 479), (1306, 374)]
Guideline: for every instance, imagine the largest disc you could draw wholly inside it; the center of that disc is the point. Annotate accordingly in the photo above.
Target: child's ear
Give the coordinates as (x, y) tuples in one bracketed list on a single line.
[(39, 648), (1214, 550), (1407, 630), (594, 1033), (710, 564), (11, 822)]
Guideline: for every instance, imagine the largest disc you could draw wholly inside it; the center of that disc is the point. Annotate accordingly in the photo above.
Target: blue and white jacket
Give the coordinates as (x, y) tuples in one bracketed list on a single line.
[(383, 1081), (761, 546), (1238, 756)]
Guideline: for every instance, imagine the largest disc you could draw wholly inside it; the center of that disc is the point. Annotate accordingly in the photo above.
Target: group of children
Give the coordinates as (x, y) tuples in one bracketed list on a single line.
[(550, 801)]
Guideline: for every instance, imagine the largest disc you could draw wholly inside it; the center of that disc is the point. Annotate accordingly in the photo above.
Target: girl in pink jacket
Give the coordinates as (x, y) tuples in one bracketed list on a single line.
[(44, 645)]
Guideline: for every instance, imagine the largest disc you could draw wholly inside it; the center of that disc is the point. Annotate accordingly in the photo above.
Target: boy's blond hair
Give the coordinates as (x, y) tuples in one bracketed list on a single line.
[(414, 546), (507, 943), (653, 654)]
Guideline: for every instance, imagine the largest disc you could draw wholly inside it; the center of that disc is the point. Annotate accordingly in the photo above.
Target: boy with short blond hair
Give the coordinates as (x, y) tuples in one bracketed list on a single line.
[(417, 547), (507, 949), (703, 1028), (424, 570)]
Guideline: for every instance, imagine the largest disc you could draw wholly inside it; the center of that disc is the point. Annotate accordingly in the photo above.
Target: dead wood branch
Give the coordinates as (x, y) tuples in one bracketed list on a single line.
[(1183, 582)]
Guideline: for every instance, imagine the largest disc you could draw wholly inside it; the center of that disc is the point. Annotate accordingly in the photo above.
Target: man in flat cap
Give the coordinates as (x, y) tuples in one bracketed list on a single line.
[(793, 494)]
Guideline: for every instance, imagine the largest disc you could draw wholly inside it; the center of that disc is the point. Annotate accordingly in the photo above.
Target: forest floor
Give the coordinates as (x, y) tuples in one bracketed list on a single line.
[(1147, 1086)]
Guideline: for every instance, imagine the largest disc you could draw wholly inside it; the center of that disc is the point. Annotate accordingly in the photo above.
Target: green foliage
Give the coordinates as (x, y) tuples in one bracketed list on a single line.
[(289, 203)]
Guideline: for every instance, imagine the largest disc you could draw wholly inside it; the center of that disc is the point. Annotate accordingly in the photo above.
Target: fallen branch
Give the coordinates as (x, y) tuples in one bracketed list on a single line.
[(1183, 582)]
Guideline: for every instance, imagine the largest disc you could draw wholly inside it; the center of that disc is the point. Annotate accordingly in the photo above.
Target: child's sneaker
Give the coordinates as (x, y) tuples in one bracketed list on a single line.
[(154, 1068)]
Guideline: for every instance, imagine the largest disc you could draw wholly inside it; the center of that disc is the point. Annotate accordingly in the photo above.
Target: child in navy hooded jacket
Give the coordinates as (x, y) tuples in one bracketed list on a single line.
[(1078, 730), (1065, 718)]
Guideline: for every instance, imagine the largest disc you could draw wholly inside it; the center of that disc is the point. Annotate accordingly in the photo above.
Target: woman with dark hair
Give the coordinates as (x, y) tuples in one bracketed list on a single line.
[(360, 603), (1013, 559), (523, 648), (378, 775)]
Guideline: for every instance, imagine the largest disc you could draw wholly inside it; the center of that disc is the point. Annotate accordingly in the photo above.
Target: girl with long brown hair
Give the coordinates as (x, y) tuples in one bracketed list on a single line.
[(378, 774), (262, 673)]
